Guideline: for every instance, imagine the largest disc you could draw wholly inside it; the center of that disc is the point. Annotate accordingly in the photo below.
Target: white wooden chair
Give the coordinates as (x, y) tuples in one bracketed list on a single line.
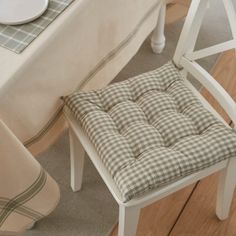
[(184, 59)]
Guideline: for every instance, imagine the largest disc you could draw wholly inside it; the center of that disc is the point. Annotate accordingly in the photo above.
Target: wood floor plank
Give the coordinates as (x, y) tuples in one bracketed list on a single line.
[(175, 13), (224, 72), (177, 10), (199, 219), (158, 218)]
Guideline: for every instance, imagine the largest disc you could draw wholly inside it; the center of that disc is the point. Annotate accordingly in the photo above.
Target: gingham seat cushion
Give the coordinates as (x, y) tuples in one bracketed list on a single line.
[(151, 130)]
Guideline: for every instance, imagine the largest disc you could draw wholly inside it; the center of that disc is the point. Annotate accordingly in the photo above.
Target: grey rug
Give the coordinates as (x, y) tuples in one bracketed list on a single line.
[(92, 211)]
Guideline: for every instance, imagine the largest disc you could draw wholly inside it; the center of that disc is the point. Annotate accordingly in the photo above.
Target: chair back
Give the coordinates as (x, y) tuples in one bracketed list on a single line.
[(185, 56)]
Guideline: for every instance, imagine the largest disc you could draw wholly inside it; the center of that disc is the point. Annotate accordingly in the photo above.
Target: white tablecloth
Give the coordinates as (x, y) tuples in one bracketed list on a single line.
[(85, 47)]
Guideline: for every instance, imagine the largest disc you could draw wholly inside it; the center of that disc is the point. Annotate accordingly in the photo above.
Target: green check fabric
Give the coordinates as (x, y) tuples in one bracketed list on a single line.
[(151, 130), (17, 38)]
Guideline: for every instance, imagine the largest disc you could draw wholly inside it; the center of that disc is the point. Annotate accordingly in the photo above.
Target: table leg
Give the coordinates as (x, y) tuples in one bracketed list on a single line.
[(158, 37)]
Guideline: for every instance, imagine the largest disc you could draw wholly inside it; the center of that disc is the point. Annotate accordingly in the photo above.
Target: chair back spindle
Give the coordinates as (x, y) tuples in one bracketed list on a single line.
[(185, 56)]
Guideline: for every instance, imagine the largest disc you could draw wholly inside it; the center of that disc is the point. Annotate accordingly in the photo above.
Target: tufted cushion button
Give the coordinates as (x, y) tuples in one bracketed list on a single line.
[(201, 117), (150, 130), (126, 113), (142, 137), (173, 126), (182, 95), (153, 103), (115, 94)]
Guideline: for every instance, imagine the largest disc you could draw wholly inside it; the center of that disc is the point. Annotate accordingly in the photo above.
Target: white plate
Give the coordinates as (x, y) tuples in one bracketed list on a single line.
[(15, 12)]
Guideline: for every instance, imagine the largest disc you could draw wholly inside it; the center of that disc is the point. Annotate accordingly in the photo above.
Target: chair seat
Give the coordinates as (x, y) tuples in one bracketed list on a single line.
[(151, 130)]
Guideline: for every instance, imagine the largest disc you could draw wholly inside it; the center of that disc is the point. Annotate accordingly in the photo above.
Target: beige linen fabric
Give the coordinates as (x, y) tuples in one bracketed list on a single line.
[(85, 47), (27, 192)]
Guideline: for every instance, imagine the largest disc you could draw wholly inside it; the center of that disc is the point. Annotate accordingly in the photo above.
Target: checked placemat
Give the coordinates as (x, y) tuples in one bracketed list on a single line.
[(17, 38)]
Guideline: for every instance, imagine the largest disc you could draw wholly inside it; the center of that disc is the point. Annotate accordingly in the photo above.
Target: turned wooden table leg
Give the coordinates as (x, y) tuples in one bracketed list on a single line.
[(158, 37)]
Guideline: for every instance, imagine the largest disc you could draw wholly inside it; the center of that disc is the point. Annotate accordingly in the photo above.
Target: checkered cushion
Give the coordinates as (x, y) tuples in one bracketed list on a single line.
[(151, 130)]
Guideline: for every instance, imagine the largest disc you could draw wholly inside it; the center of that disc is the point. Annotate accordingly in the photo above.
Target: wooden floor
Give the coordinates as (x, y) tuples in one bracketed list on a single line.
[(191, 211)]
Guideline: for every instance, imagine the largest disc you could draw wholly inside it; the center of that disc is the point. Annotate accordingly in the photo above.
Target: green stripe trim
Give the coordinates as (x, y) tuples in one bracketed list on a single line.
[(49, 124), (115, 51), (23, 197), (22, 210)]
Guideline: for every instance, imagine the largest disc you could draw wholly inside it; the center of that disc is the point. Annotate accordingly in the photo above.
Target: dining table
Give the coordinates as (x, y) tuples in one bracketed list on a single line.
[(74, 45)]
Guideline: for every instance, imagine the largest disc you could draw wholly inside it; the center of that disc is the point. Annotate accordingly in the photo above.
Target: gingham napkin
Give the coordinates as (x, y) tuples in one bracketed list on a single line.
[(17, 38)]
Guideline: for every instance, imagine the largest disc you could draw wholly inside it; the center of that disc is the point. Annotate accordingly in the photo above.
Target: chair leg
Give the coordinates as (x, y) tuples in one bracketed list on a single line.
[(158, 37), (76, 161), (128, 220), (226, 186)]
